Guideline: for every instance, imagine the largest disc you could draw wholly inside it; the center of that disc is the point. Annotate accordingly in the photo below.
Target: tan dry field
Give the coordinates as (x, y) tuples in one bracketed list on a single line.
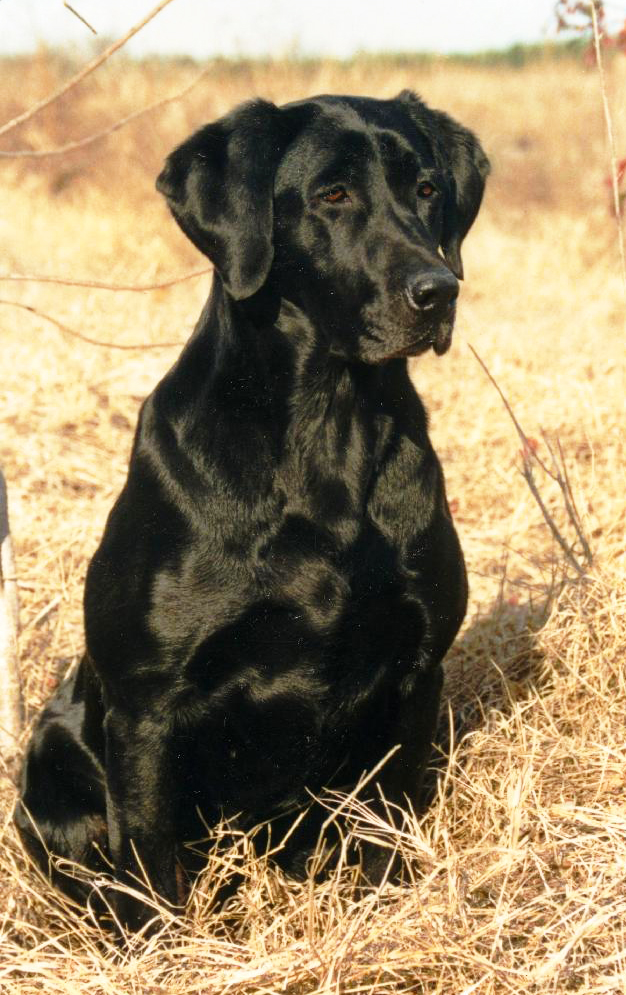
[(518, 867)]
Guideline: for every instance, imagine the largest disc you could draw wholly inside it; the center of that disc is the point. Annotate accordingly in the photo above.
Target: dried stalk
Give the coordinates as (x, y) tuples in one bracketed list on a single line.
[(66, 281), (82, 143), (559, 475), (80, 18), (11, 708), (611, 139), (84, 72), (85, 338)]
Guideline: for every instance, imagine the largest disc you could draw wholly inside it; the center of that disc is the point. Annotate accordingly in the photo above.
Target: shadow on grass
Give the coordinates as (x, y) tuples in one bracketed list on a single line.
[(494, 663)]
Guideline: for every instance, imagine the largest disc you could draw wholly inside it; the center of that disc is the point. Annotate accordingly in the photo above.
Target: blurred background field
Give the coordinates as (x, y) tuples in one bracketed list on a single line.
[(519, 864)]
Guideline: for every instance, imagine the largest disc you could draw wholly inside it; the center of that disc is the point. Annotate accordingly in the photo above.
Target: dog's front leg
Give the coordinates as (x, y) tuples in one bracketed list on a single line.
[(399, 784), (417, 713), (140, 812)]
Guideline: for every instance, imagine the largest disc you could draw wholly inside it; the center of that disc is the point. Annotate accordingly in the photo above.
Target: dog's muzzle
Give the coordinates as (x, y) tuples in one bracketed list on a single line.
[(432, 295)]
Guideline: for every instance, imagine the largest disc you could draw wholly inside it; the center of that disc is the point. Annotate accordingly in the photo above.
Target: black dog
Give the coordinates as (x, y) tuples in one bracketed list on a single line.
[(280, 578)]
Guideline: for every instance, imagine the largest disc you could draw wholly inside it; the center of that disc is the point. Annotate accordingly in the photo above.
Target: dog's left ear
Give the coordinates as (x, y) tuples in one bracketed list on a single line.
[(219, 185), (463, 158)]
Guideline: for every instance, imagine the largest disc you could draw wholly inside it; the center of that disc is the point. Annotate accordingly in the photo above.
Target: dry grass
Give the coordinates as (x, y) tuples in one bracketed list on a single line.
[(519, 866)]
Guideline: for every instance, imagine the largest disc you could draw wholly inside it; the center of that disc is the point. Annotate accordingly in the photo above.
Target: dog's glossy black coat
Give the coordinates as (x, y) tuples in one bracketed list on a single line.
[(280, 578)]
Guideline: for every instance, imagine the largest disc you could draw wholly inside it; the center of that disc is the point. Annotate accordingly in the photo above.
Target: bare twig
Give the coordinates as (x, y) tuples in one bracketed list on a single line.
[(80, 17), (85, 338), (65, 281), (611, 139), (45, 611), (11, 709), (559, 476), (82, 143), (84, 72)]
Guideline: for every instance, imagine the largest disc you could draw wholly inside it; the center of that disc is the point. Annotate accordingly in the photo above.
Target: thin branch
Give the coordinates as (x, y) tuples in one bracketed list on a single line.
[(85, 338), (84, 72), (530, 480), (520, 430), (80, 17), (100, 285), (528, 454), (611, 137), (561, 477), (82, 143), (11, 704)]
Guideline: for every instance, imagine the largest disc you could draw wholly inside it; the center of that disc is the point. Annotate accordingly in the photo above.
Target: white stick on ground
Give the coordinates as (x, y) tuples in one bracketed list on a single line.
[(11, 709)]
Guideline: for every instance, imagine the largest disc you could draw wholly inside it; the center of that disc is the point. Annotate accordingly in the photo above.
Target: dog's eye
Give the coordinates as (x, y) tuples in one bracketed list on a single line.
[(426, 190), (335, 195)]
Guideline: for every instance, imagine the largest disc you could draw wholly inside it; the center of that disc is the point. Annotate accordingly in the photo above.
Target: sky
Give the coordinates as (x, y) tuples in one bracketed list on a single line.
[(203, 28)]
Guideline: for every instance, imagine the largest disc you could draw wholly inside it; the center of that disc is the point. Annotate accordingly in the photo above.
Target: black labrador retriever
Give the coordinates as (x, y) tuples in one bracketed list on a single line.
[(280, 578)]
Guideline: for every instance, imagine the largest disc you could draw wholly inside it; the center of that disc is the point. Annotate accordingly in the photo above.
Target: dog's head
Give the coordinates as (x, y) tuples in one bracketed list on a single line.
[(352, 209)]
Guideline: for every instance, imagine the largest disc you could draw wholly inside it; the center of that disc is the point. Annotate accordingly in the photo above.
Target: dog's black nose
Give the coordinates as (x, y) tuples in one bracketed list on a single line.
[(432, 291)]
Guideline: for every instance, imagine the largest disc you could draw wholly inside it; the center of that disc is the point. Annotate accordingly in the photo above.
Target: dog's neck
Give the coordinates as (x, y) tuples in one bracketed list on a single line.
[(263, 364)]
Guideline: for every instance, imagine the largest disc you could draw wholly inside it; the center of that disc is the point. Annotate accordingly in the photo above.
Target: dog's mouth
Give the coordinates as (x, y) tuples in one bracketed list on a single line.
[(442, 338), (439, 339)]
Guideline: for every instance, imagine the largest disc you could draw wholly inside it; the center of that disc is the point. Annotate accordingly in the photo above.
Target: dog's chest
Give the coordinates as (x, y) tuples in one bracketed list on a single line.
[(282, 701), (309, 588), (286, 623), (303, 659), (302, 598)]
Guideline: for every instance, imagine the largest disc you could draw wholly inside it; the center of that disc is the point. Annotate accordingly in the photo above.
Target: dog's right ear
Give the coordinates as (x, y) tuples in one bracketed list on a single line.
[(463, 159), (470, 168), (219, 186)]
